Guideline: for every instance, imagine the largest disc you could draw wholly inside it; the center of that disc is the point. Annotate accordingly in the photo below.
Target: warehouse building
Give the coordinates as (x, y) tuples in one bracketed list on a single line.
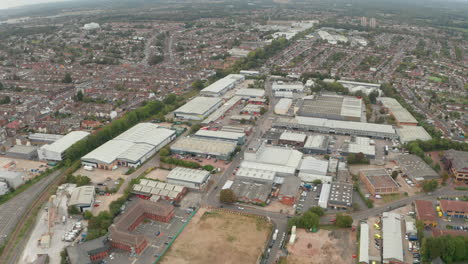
[(289, 190), (251, 192), (283, 106), (82, 198), (415, 168), (425, 212), (365, 88), (364, 244), (283, 161), (456, 163), (22, 152), (255, 175), (456, 209), (378, 181), (14, 179), (280, 86), (220, 112), (247, 93), (281, 94), (221, 86), (4, 188), (341, 195), (131, 148), (42, 138), (57, 150), (312, 169), (238, 138), (252, 109), (392, 238), (412, 133), (324, 195), (155, 191), (360, 145), (198, 108), (331, 106), (204, 147), (120, 235), (402, 116), (325, 126), (190, 178), (316, 144), (291, 138)]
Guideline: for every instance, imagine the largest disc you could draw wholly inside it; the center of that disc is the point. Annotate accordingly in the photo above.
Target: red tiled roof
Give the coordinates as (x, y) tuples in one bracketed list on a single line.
[(425, 210), (449, 205)]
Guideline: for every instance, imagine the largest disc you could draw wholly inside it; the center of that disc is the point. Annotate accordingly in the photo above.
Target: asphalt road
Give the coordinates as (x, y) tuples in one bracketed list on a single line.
[(12, 211)]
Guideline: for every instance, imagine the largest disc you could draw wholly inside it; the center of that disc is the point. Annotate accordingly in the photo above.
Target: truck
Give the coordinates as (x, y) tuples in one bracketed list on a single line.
[(275, 235), (88, 168)]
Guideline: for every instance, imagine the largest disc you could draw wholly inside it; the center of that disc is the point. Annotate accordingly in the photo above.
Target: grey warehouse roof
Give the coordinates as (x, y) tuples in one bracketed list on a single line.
[(400, 113), (188, 175), (225, 83), (392, 240), (411, 133), (219, 134), (204, 146), (199, 105), (83, 195), (416, 168)]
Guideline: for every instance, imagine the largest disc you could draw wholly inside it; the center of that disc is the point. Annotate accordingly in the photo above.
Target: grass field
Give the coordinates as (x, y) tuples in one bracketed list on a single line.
[(219, 237), (435, 79)]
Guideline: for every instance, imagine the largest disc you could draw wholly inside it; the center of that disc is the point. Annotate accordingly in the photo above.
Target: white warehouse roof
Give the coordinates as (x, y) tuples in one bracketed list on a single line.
[(364, 244), (219, 134), (199, 105), (131, 145), (411, 133), (259, 174), (222, 84), (321, 122), (250, 92), (290, 136), (83, 195), (401, 114), (283, 105), (204, 146), (66, 141), (392, 240), (188, 175), (313, 165)]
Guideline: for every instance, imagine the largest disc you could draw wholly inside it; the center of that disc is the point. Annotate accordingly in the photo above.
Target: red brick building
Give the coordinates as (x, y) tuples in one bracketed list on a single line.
[(426, 212), (120, 235)]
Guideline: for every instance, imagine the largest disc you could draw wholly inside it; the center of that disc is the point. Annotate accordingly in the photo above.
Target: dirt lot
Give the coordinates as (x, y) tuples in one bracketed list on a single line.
[(336, 246), (219, 237), (7, 163), (277, 206), (158, 174), (99, 176)]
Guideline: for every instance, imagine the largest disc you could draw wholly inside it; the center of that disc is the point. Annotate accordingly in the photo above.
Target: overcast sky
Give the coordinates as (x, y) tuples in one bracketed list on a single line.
[(14, 3)]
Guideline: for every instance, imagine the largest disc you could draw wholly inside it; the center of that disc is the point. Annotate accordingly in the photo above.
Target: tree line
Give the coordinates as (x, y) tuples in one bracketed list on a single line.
[(449, 248)]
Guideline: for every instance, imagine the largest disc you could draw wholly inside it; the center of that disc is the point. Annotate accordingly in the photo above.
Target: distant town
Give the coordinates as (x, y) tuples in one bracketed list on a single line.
[(266, 132)]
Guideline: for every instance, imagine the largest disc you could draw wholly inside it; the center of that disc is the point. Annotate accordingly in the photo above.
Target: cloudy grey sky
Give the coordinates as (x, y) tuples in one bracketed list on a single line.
[(14, 3)]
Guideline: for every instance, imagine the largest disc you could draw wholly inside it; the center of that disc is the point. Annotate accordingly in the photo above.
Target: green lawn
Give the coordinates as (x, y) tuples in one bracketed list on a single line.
[(435, 79)]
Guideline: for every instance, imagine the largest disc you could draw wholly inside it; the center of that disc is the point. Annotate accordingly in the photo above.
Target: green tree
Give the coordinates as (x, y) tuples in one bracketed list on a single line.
[(67, 78), (317, 210), (317, 181), (164, 152), (198, 84), (343, 220), (429, 186), (394, 174), (73, 210), (5, 100), (87, 215), (79, 96), (227, 196), (208, 167), (195, 128), (263, 110)]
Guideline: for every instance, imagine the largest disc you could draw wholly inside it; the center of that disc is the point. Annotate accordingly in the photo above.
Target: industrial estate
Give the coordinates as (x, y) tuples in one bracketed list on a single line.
[(269, 135)]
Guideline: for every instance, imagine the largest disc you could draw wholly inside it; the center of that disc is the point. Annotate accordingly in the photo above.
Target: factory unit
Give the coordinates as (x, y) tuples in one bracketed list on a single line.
[(289, 190), (247, 93), (198, 108), (378, 181), (204, 147), (238, 138), (426, 213), (42, 138), (190, 178), (324, 195), (155, 191), (251, 192), (456, 209), (341, 195), (221, 111), (332, 106), (255, 175), (402, 116), (360, 145), (392, 239), (412, 133), (292, 138), (4, 188), (131, 148), (221, 86), (89, 252), (365, 88), (280, 86), (415, 168), (252, 109), (82, 198), (57, 150), (316, 144), (326, 126), (312, 169), (364, 244), (284, 94), (283, 106), (22, 152)]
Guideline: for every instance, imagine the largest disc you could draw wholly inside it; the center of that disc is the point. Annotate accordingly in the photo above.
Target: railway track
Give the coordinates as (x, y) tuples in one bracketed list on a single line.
[(13, 248)]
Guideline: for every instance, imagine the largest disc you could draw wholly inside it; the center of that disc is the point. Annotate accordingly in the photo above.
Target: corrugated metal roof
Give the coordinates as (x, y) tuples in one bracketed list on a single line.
[(222, 84), (364, 244), (392, 239), (66, 141), (199, 105), (188, 175)]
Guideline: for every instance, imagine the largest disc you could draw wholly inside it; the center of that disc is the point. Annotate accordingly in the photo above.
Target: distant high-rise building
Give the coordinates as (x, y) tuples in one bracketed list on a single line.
[(373, 23), (364, 21)]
